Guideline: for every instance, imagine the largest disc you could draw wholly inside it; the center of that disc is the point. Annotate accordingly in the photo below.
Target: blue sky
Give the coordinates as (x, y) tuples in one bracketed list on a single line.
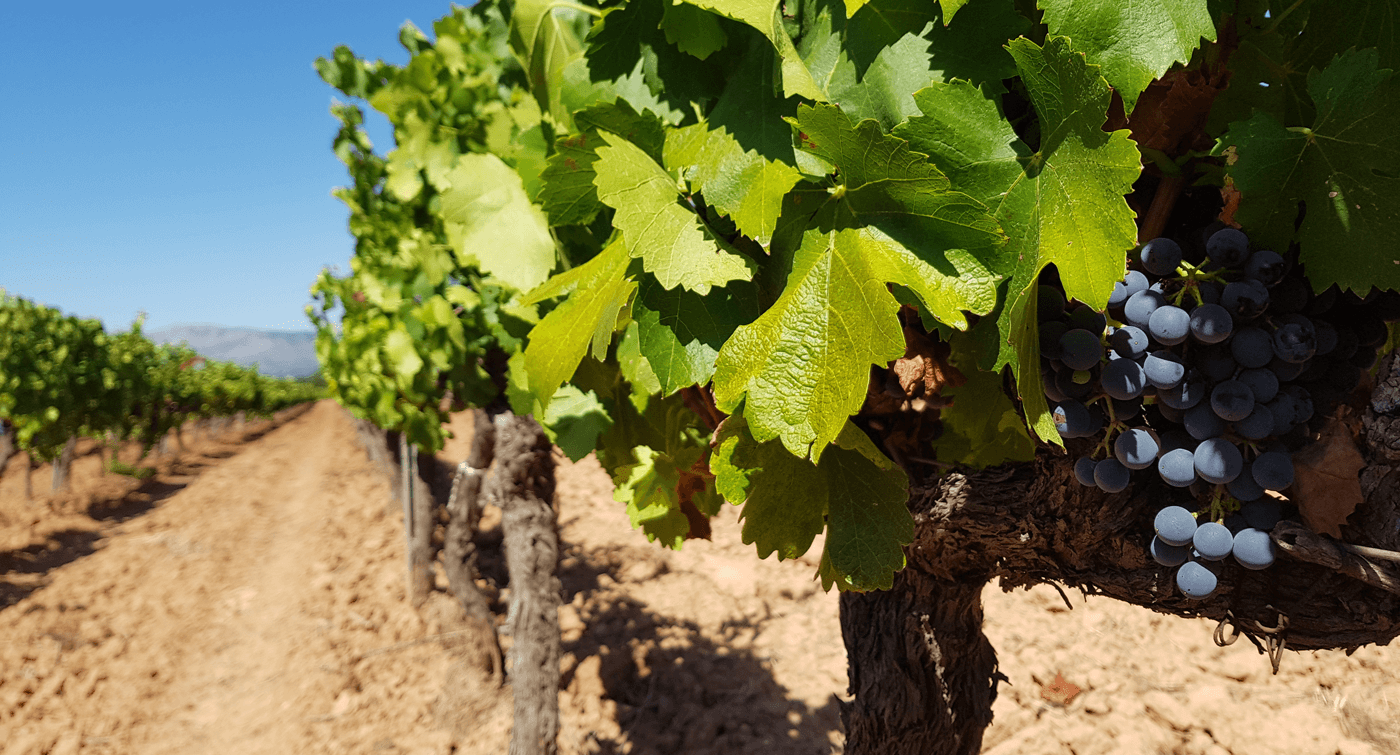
[(175, 157)]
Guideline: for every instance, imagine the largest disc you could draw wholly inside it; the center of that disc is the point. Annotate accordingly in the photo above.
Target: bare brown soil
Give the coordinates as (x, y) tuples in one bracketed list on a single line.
[(249, 599)]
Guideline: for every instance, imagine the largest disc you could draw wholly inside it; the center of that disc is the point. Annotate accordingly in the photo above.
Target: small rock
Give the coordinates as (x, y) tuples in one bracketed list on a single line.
[(1097, 705), (1167, 708), (1355, 747)]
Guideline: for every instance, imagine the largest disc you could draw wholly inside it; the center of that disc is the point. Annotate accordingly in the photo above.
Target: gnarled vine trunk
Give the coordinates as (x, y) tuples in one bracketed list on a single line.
[(923, 674), (523, 485), (63, 466), (459, 554)]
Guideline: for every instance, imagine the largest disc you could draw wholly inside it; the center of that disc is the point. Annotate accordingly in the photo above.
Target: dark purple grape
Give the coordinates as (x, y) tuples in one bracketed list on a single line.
[(1216, 362), (1080, 349), (1253, 549), (1184, 394), (1244, 488), (1086, 318), (1228, 247), (1050, 303), (1201, 422), (1111, 476), (1232, 400), (1050, 334), (1132, 283), (1273, 470), (1160, 257), (1140, 307), (1084, 471), (1252, 347), (1210, 323), (1218, 461), (1129, 341), (1258, 425), (1169, 325), (1163, 369), (1122, 379), (1263, 383), (1196, 581), (1266, 267), (1245, 299), (1175, 525)]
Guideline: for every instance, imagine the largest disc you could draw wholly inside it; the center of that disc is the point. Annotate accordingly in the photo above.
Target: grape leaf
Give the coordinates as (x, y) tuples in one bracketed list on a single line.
[(1062, 205), (680, 332), (693, 30), (672, 243), (1345, 168), (543, 36), (569, 195), (492, 224), (854, 492), (884, 92), (574, 421), (751, 109), (1133, 42), (740, 184), (599, 289), (648, 487), (766, 16), (881, 23), (981, 428), (937, 235)]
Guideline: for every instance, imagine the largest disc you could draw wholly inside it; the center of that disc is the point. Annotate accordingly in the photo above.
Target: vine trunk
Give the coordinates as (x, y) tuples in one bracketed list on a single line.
[(923, 675)]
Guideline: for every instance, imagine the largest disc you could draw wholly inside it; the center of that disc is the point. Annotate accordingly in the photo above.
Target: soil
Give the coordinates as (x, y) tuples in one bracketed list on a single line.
[(249, 598)]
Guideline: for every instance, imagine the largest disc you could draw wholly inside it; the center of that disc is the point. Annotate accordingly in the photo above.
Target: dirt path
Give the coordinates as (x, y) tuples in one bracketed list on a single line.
[(249, 599)]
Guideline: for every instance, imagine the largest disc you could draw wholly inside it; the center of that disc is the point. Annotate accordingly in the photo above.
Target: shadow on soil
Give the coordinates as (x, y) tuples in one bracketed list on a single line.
[(676, 689), (24, 570)]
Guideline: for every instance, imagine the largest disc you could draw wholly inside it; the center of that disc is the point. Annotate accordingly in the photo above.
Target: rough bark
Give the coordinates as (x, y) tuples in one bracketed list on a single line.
[(459, 554), (923, 674), (523, 484), (8, 448), (63, 466), (415, 524)]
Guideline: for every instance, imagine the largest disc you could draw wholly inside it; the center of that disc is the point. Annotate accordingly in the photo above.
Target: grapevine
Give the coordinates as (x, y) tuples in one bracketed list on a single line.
[(830, 261)]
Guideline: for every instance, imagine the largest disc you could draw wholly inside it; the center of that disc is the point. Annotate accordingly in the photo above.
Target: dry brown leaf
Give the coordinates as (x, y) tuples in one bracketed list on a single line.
[(1060, 691), (1326, 481), (924, 368)]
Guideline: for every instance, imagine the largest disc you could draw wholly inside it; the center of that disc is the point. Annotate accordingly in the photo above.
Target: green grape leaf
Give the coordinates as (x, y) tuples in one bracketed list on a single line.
[(569, 196), (938, 236), (784, 498), (680, 332), (599, 289), (804, 365), (751, 109), (766, 16), (574, 421), (1133, 42), (1063, 204), (884, 92), (648, 487), (615, 41), (403, 356), (854, 492), (741, 185), (492, 224), (881, 23), (543, 38), (670, 240), (693, 30), (1345, 168), (982, 427)]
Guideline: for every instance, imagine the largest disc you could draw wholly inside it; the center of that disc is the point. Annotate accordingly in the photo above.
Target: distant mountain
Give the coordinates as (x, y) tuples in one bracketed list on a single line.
[(277, 353)]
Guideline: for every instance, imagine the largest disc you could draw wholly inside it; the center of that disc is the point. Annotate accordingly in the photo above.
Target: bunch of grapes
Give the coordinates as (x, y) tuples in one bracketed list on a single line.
[(1209, 373)]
